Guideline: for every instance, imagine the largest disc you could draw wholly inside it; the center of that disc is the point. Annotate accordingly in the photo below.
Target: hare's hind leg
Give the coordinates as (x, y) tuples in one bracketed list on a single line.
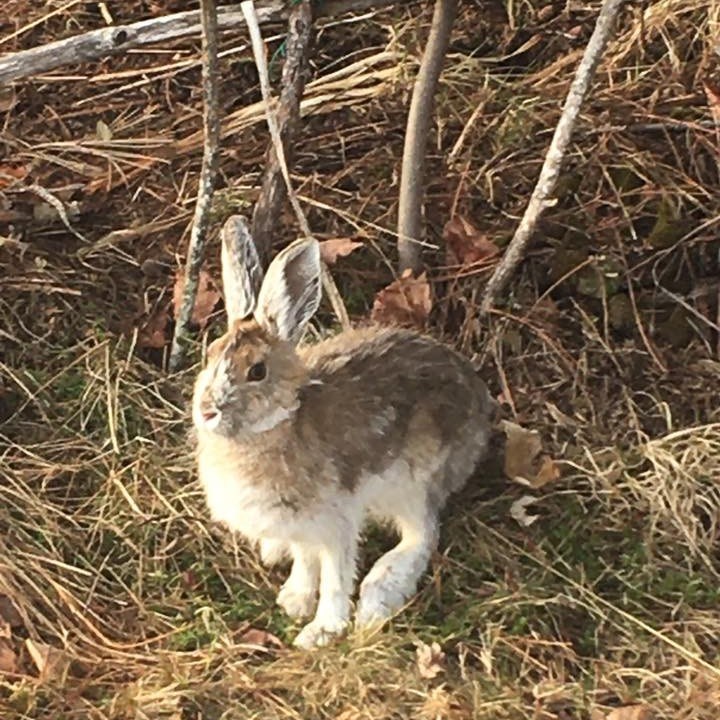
[(393, 578), (298, 595)]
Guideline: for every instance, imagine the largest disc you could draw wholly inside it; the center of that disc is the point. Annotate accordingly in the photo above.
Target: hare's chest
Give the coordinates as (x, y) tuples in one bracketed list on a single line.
[(243, 502)]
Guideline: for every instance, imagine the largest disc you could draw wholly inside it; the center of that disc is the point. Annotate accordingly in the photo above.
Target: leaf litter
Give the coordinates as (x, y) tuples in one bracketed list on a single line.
[(430, 660), (406, 301), (466, 244), (334, 248)]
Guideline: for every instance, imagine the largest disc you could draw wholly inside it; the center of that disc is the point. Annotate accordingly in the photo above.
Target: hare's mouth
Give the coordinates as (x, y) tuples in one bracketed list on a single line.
[(210, 417)]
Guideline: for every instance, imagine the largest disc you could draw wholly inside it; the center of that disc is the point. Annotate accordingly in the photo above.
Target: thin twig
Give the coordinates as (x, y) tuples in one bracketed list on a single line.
[(118, 39), (550, 172), (258, 46), (208, 172), (294, 75), (420, 115)]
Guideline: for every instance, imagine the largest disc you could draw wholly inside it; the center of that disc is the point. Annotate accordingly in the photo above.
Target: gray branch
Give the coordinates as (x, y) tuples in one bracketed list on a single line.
[(420, 116), (117, 40), (553, 160), (208, 173), (294, 75)]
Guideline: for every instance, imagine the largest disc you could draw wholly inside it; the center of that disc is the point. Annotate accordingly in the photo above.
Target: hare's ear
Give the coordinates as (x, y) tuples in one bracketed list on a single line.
[(291, 292), (241, 270)]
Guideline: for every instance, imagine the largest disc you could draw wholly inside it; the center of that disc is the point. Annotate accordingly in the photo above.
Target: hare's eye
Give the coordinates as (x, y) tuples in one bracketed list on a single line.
[(256, 372)]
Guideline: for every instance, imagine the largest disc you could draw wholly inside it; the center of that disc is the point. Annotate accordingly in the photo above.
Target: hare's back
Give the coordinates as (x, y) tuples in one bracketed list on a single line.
[(379, 395)]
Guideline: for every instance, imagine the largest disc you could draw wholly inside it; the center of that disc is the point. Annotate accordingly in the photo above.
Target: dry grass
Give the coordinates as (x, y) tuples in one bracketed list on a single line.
[(135, 607)]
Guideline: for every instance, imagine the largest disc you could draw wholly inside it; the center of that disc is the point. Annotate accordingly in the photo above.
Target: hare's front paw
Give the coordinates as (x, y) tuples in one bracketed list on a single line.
[(272, 552), (320, 632), (297, 603)]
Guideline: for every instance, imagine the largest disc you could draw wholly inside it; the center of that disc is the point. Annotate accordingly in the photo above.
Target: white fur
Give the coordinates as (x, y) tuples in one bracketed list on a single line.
[(278, 309), (323, 543), (272, 420), (273, 552), (241, 269), (298, 596)]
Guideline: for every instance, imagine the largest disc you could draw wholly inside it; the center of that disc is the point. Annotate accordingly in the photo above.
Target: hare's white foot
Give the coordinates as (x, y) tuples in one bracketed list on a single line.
[(394, 577), (320, 632), (273, 552), (337, 567), (298, 595), (297, 603)]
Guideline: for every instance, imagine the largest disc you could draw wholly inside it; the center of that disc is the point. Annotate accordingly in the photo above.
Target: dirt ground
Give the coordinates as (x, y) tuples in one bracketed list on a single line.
[(118, 598)]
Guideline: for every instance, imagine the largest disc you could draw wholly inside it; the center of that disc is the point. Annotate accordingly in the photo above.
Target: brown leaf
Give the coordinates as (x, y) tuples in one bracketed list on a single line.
[(407, 301), (50, 662), (8, 659), (466, 242), (205, 300), (261, 639), (334, 248), (9, 613), (153, 334), (519, 513), (10, 172), (712, 93), (547, 472), (430, 660), (524, 461), (631, 712)]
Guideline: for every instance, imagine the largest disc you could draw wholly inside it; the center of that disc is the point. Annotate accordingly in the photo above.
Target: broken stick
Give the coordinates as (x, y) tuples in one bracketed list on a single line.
[(258, 47), (118, 39), (208, 174), (420, 116), (540, 199), (294, 75)]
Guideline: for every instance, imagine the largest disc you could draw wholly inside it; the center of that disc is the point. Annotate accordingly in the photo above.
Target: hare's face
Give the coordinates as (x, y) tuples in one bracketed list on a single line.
[(250, 382)]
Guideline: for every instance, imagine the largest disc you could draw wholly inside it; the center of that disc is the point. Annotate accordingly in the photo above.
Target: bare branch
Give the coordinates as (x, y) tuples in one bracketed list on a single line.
[(294, 75), (420, 115), (258, 47), (553, 160), (208, 173), (118, 39)]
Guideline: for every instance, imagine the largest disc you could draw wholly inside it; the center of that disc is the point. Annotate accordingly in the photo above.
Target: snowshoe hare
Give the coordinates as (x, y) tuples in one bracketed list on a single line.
[(297, 446)]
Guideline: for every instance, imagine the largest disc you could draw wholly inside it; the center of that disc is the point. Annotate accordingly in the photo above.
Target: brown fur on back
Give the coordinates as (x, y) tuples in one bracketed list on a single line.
[(376, 383)]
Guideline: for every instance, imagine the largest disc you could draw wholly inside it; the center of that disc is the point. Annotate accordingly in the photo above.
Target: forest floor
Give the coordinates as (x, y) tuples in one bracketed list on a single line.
[(119, 599)]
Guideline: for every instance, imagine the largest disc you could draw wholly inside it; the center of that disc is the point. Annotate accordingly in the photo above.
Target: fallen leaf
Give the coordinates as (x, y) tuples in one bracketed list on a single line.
[(8, 659), (103, 131), (547, 472), (206, 298), (51, 663), (524, 461), (519, 513), (331, 250), (261, 639), (631, 712), (11, 172), (430, 660), (712, 93), (466, 242), (153, 334), (9, 613), (7, 98), (407, 301), (522, 447)]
